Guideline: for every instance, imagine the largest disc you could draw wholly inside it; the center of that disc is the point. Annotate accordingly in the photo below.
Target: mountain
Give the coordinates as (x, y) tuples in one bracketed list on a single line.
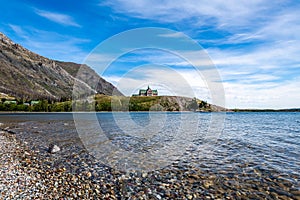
[(27, 75)]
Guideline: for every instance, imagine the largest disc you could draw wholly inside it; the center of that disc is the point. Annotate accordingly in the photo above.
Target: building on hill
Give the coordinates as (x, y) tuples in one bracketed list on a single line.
[(147, 92)]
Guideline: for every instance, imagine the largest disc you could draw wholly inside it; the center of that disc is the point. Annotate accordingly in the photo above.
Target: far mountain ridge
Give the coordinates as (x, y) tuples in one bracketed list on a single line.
[(27, 75)]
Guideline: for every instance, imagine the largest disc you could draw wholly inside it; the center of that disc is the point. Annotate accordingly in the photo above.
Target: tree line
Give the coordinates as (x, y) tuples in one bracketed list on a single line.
[(38, 106), (101, 104)]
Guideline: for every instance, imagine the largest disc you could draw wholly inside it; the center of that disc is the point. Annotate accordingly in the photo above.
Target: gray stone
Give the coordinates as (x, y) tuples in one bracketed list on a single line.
[(53, 148)]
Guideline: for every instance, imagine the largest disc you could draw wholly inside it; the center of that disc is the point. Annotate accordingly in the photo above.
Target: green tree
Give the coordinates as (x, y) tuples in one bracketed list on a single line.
[(41, 106), (203, 104), (2, 107), (67, 106)]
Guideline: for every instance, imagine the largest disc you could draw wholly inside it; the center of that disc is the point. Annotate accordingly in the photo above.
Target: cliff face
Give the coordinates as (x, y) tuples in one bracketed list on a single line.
[(24, 74)]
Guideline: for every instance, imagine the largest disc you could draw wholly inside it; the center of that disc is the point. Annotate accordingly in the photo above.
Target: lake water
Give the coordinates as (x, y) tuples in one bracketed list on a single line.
[(256, 144)]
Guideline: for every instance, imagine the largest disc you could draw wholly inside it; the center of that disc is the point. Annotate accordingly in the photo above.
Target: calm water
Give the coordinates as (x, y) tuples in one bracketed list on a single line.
[(263, 142)]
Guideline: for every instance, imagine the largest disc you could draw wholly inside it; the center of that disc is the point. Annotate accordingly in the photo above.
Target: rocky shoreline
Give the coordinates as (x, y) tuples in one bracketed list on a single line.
[(27, 173)]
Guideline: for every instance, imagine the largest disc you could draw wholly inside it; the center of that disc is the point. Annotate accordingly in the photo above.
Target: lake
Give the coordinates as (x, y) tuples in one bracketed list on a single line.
[(250, 148)]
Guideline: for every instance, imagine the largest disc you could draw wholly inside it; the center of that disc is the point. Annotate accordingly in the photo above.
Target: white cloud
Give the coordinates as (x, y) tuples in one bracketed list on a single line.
[(18, 30), (57, 17), (173, 35), (187, 83), (100, 61), (264, 77), (179, 58), (51, 44), (167, 80), (276, 58), (254, 96), (221, 13)]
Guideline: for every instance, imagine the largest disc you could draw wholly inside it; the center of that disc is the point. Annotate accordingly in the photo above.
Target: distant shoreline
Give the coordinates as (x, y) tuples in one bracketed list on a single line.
[(228, 111), (266, 110)]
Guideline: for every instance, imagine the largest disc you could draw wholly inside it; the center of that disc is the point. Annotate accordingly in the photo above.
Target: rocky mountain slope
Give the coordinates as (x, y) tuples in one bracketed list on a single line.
[(26, 75)]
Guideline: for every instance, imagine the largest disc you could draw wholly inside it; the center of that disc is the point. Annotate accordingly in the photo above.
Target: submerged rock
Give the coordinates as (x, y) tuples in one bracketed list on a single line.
[(53, 148)]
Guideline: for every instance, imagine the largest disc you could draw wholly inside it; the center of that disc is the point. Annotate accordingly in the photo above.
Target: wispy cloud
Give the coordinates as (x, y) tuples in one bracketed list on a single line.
[(251, 91), (18, 30), (167, 80), (267, 95), (50, 44), (276, 58), (188, 83), (59, 18), (222, 14), (173, 35)]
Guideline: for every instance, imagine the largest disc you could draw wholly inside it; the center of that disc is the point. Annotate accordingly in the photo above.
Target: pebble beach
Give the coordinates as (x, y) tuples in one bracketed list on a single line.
[(24, 175)]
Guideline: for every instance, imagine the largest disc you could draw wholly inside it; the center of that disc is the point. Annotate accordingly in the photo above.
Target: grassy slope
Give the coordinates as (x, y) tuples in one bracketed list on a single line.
[(154, 103)]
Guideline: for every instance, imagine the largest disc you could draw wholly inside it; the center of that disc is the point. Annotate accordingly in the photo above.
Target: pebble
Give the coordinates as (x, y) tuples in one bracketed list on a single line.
[(144, 175), (53, 148), (207, 183), (88, 174)]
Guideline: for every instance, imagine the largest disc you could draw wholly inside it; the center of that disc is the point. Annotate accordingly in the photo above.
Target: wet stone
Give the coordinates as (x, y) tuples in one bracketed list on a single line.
[(53, 148)]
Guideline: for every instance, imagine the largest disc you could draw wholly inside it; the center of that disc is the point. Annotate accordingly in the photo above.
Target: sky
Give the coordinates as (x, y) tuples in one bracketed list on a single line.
[(248, 49)]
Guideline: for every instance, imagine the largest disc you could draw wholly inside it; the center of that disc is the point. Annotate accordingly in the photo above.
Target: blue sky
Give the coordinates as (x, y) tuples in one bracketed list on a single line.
[(254, 45)]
